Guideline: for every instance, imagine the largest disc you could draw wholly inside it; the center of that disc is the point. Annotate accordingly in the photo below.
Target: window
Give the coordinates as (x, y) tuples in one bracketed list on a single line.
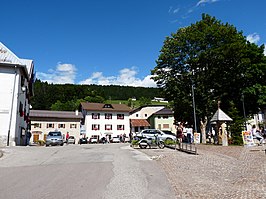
[(95, 127), (159, 117), (37, 125), (50, 125), (95, 116), (73, 126), (22, 81), (108, 127), (165, 117), (61, 126), (137, 115), (120, 127), (108, 116), (120, 116), (107, 106), (146, 115), (166, 126)]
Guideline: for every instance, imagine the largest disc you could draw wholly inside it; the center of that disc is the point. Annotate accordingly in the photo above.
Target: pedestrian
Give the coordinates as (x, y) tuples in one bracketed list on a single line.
[(28, 136), (121, 138), (130, 136), (67, 137), (179, 133), (124, 137)]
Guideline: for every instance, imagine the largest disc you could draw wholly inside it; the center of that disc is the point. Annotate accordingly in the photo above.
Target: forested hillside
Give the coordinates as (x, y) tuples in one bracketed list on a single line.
[(68, 96)]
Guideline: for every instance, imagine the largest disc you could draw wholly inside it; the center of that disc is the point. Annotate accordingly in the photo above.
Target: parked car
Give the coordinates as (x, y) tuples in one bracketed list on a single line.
[(83, 141), (168, 132), (54, 138), (115, 139), (156, 132), (71, 140), (94, 139)]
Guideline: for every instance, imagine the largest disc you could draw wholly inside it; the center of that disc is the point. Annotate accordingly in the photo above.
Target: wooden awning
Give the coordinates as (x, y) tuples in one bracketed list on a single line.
[(139, 122)]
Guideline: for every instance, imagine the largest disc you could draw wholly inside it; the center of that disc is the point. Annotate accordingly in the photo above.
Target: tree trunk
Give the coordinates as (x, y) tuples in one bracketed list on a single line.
[(203, 124)]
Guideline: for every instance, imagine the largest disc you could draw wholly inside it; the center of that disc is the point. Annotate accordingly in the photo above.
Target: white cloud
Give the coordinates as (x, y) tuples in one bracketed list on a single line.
[(203, 2), (126, 77), (173, 11), (265, 49), (64, 73), (176, 10), (253, 38)]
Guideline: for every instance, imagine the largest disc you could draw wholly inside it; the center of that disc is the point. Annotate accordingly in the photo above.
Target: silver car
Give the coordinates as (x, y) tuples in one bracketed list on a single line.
[(156, 132), (54, 138)]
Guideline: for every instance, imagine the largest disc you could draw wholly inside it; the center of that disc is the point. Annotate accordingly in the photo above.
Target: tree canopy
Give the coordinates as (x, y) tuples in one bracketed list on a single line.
[(221, 64), (67, 97)]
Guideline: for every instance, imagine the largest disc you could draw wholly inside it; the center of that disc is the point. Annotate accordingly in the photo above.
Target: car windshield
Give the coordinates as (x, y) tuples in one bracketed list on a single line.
[(169, 132), (54, 134)]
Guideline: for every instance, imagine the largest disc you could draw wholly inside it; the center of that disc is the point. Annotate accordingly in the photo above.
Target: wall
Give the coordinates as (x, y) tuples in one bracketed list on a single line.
[(72, 131), (102, 122), (146, 110)]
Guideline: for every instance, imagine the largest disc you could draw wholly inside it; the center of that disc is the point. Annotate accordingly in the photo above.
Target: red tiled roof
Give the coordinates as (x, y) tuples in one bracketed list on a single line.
[(105, 107), (139, 122)]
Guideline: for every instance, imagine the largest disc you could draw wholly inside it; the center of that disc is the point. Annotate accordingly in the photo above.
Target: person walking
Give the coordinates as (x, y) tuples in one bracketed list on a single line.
[(67, 137)]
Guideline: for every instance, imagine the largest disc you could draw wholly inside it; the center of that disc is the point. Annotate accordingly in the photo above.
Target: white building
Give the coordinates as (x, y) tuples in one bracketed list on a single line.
[(138, 117), (43, 121), (16, 78), (103, 120)]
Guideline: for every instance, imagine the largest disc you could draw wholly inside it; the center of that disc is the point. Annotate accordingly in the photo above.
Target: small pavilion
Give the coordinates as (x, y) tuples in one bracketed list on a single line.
[(220, 119)]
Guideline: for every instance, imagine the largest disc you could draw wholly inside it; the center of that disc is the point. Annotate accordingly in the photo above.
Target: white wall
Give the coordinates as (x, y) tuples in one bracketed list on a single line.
[(146, 110), (102, 122), (72, 131), (11, 96)]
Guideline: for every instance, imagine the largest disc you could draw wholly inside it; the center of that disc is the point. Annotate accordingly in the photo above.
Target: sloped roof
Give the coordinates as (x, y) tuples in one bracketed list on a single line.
[(220, 116), (164, 111), (139, 122), (105, 107), (141, 107), (55, 114), (7, 57)]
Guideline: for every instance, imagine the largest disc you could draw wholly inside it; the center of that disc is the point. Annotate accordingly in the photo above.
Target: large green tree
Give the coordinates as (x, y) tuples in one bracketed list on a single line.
[(221, 64)]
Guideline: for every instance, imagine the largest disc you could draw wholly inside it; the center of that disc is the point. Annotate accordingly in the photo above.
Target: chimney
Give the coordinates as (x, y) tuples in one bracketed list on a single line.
[(77, 112)]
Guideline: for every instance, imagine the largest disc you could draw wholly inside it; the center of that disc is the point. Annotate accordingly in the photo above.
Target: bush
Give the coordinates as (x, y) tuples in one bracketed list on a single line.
[(169, 142), (134, 142), (41, 142)]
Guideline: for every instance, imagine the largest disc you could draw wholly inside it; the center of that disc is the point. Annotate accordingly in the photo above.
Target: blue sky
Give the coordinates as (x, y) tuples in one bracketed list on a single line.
[(111, 41)]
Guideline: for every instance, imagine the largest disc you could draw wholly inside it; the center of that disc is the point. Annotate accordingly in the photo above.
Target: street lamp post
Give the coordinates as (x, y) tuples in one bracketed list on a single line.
[(193, 101), (194, 108), (244, 111)]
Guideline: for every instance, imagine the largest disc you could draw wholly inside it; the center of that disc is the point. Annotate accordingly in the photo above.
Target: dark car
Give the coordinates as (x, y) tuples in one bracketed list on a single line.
[(83, 141)]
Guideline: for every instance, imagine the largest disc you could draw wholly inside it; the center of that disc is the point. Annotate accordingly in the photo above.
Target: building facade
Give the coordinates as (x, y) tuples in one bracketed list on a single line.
[(138, 117), (16, 79), (43, 121), (163, 120), (105, 120)]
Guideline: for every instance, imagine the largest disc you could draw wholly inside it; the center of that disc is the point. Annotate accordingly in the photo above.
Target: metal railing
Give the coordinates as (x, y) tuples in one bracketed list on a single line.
[(184, 147)]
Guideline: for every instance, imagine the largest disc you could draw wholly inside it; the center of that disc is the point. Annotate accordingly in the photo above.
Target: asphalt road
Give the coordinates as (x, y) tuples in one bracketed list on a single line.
[(109, 171)]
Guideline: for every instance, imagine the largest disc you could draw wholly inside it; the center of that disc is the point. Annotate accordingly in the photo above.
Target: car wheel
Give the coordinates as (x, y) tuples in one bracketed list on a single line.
[(161, 145), (142, 146)]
